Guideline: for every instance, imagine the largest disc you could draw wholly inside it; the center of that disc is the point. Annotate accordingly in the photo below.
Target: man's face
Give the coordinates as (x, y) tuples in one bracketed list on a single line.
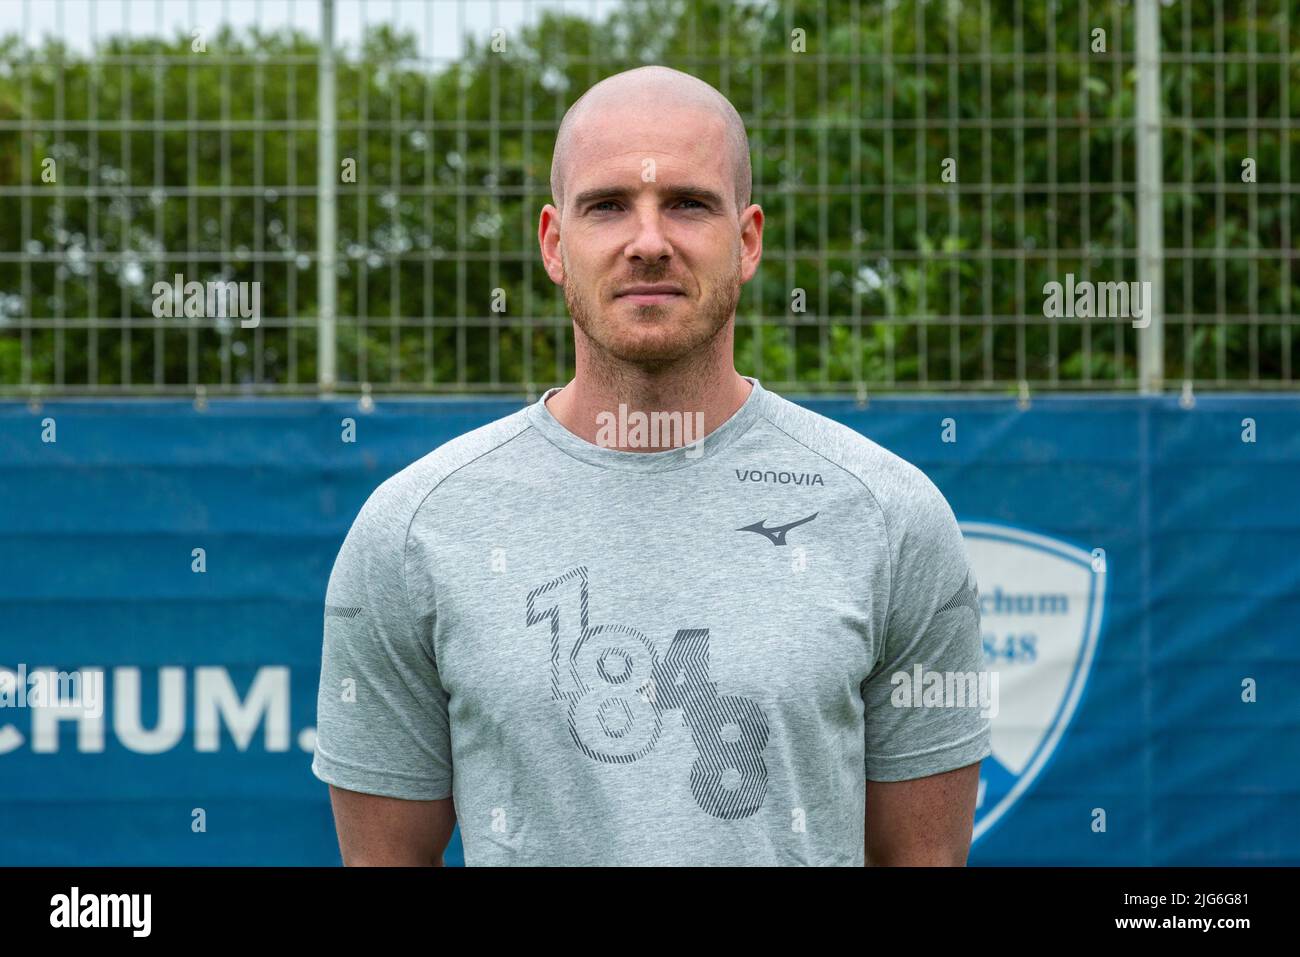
[(649, 202)]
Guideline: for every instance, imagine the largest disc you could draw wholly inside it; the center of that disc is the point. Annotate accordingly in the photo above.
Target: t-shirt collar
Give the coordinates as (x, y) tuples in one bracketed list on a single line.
[(663, 460)]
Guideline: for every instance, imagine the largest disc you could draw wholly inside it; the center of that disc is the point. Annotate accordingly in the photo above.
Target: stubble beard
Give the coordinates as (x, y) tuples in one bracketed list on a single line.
[(653, 353)]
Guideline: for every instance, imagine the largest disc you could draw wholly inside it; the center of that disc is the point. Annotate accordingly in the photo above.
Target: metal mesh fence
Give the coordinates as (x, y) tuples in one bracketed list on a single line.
[(368, 176)]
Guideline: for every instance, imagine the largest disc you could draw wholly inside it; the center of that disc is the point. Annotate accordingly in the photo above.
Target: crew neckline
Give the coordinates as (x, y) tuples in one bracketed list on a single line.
[(666, 459)]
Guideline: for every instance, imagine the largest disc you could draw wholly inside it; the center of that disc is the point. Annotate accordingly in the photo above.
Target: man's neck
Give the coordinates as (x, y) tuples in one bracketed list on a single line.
[(707, 396)]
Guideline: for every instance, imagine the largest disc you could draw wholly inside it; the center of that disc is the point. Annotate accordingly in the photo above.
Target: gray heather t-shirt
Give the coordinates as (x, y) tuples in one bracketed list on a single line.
[(649, 658)]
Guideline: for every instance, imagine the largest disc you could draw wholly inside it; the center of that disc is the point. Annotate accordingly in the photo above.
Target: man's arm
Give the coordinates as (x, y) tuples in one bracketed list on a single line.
[(377, 831), (383, 735), (926, 822)]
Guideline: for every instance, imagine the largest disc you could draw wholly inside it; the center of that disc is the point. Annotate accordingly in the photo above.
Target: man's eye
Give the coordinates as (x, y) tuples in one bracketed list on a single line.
[(596, 207)]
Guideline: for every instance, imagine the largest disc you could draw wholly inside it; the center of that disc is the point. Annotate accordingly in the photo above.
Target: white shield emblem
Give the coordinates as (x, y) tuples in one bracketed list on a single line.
[(1041, 607)]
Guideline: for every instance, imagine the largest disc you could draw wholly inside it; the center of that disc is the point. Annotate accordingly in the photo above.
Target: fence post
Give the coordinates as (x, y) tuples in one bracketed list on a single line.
[(1150, 204), (326, 209)]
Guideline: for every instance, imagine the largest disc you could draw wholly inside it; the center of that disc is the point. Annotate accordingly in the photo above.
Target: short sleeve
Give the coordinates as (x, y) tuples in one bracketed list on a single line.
[(926, 701), (381, 723)]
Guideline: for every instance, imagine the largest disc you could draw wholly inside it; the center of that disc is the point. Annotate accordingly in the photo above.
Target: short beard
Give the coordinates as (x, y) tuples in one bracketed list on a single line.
[(718, 310)]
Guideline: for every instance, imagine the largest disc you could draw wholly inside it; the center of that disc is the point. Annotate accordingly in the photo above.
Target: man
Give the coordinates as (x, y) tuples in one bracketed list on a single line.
[(591, 642)]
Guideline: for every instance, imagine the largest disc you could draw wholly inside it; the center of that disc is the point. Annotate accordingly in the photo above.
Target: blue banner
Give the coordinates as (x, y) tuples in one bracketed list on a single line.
[(1137, 562)]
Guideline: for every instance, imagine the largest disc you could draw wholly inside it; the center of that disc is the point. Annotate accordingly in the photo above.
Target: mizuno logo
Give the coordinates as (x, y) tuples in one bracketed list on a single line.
[(966, 596), (776, 534)]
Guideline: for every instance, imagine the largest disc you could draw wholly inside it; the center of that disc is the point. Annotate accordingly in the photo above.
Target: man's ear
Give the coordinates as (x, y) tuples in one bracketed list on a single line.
[(751, 241), (548, 237)]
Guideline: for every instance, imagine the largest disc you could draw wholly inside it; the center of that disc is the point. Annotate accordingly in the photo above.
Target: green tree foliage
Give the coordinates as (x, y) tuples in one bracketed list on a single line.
[(204, 163)]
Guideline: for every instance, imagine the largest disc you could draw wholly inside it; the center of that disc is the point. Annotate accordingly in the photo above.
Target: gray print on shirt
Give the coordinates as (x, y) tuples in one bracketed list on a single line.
[(618, 689)]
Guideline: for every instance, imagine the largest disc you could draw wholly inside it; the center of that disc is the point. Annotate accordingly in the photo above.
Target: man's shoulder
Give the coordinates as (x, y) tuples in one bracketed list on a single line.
[(892, 480), (399, 496), (919, 523)]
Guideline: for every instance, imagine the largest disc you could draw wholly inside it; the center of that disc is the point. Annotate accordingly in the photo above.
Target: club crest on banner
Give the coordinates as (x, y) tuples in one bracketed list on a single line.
[(1042, 601)]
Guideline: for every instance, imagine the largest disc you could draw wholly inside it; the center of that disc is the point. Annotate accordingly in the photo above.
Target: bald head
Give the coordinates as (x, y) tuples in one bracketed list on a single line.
[(653, 84)]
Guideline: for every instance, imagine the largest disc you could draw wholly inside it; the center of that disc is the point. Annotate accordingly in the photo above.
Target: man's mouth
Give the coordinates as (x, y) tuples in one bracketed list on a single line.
[(650, 295), (650, 298)]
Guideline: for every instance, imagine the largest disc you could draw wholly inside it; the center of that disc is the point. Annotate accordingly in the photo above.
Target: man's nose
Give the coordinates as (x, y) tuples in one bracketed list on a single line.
[(650, 243)]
